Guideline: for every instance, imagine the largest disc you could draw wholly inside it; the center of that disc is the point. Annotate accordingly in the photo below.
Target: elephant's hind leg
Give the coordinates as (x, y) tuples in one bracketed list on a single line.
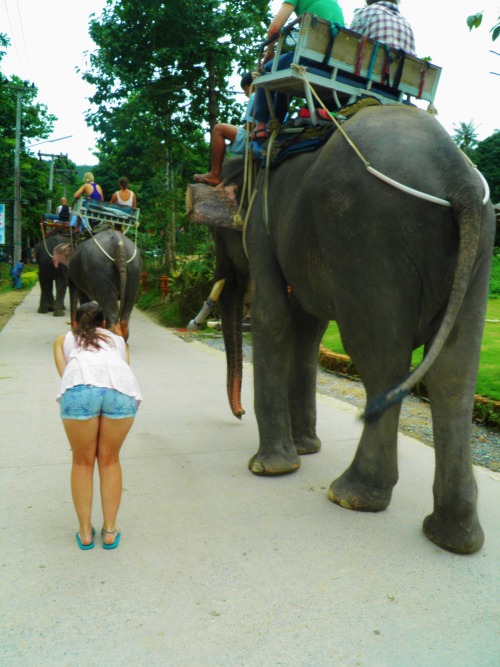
[(366, 486), (454, 523)]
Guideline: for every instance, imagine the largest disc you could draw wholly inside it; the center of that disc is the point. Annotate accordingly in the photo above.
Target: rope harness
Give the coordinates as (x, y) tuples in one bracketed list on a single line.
[(94, 237)]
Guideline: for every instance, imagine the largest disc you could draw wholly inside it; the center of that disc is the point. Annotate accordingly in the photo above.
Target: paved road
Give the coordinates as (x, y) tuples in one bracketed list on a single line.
[(217, 567)]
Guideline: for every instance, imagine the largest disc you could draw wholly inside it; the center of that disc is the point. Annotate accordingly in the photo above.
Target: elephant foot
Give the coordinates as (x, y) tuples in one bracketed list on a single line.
[(307, 445), (43, 310), (50, 309), (59, 312), (460, 536), (349, 491), (273, 465)]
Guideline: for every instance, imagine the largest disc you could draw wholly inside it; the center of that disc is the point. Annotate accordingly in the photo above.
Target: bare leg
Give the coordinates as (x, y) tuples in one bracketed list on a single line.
[(221, 132), (112, 433), (82, 436)]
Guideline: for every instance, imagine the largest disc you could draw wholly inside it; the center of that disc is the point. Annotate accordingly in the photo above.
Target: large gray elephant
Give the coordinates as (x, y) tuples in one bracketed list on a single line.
[(105, 268), (333, 242), (50, 276)]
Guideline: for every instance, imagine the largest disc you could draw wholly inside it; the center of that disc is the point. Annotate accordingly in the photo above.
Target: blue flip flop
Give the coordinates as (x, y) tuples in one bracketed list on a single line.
[(85, 547), (114, 544)]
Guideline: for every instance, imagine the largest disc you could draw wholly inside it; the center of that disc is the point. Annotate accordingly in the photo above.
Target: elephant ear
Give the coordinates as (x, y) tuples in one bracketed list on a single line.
[(216, 207), (62, 254)]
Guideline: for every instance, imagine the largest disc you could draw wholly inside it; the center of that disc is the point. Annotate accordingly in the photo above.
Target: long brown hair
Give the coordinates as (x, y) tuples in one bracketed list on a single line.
[(89, 316)]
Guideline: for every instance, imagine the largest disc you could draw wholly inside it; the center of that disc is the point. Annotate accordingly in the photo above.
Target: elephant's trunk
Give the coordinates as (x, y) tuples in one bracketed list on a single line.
[(121, 267), (468, 216), (231, 310)]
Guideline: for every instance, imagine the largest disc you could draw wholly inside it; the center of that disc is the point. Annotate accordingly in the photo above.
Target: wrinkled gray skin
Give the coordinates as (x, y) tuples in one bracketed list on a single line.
[(386, 266), (112, 283), (51, 277)]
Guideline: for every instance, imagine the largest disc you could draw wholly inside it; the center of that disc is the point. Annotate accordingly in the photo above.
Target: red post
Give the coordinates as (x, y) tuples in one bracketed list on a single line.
[(164, 288), (144, 281)]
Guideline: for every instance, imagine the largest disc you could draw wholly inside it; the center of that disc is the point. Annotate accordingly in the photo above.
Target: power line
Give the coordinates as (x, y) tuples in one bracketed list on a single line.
[(12, 30), (22, 32)]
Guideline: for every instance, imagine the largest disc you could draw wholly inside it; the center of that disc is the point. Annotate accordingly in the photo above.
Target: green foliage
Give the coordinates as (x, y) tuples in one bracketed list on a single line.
[(36, 124), (159, 87), (495, 276), (167, 313), (178, 57), (475, 20), (465, 136), (487, 158)]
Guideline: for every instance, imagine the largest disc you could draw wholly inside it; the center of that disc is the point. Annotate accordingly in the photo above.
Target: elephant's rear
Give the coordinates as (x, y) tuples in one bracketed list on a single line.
[(440, 252)]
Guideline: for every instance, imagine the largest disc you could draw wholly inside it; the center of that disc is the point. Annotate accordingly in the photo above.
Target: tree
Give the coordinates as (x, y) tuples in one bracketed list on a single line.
[(179, 55), (487, 158), (465, 136), (161, 75), (36, 123)]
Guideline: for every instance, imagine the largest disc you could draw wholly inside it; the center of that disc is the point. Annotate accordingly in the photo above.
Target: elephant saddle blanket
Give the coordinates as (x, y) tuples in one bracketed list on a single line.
[(299, 136)]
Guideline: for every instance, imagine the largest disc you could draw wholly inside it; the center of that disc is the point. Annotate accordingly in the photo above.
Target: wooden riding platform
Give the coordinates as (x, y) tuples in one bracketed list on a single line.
[(339, 61), (94, 213)]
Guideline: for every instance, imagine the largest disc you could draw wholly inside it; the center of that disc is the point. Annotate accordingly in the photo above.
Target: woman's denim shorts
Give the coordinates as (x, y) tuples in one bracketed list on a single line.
[(86, 401)]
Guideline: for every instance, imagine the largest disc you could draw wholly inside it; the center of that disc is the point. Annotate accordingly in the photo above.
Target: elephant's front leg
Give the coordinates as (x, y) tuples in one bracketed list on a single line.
[(61, 282), (272, 348), (382, 356), (307, 332)]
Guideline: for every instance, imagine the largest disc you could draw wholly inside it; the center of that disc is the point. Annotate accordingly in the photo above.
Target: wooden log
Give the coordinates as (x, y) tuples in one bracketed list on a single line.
[(216, 207)]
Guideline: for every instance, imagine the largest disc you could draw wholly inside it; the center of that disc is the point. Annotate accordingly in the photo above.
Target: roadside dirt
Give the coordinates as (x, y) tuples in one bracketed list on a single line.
[(8, 303)]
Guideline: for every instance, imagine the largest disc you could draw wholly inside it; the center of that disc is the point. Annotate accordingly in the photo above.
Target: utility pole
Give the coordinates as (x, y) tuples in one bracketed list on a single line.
[(17, 239), (51, 174)]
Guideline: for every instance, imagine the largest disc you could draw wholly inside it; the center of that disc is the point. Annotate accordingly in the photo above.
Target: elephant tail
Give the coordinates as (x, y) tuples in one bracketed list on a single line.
[(121, 267), (468, 217)]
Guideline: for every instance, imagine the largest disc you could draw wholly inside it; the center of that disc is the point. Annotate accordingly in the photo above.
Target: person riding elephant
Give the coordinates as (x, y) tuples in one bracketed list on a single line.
[(398, 264), (50, 276), (89, 188)]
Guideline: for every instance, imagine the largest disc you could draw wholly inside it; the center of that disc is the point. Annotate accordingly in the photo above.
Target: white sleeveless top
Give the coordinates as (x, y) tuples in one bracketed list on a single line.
[(103, 367), (125, 202)]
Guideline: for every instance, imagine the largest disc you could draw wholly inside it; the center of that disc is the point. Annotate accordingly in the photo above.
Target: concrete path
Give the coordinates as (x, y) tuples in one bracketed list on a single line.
[(217, 567)]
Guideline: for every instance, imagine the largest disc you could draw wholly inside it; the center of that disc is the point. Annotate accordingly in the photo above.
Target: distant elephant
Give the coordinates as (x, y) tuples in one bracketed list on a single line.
[(396, 272), (50, 276), (105, 268)]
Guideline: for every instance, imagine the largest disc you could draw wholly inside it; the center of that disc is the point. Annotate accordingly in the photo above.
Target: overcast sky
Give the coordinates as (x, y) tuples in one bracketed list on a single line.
[(48, 40)]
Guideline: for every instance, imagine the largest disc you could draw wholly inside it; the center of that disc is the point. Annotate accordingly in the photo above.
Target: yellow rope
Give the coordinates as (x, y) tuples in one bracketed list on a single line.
[(300, 69)]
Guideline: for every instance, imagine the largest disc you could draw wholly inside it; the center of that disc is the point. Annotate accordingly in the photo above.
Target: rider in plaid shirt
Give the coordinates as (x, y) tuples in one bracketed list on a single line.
[(382, 22)]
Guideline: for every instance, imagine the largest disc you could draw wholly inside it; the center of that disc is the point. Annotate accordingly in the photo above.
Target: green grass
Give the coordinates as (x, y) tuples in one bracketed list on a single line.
[(488, 383)]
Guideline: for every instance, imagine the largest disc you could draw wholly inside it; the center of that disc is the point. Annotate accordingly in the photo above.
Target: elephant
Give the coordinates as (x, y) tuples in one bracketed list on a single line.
[(49, 275), (329, 240), (105, 268)]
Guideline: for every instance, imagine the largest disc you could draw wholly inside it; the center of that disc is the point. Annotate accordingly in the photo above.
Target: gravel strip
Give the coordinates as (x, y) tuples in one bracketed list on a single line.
[(415, 419)]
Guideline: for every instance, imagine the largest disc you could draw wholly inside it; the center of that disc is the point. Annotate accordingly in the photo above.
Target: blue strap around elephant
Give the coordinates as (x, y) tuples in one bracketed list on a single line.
[(372, 61), (310, 141)]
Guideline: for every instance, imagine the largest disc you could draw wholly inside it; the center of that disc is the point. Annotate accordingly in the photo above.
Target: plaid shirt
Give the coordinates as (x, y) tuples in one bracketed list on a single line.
[(382, 22)]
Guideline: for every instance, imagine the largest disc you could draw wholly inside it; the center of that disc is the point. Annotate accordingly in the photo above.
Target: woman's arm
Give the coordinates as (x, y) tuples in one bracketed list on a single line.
[(114, 198), (80, 191), (59, 357)]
